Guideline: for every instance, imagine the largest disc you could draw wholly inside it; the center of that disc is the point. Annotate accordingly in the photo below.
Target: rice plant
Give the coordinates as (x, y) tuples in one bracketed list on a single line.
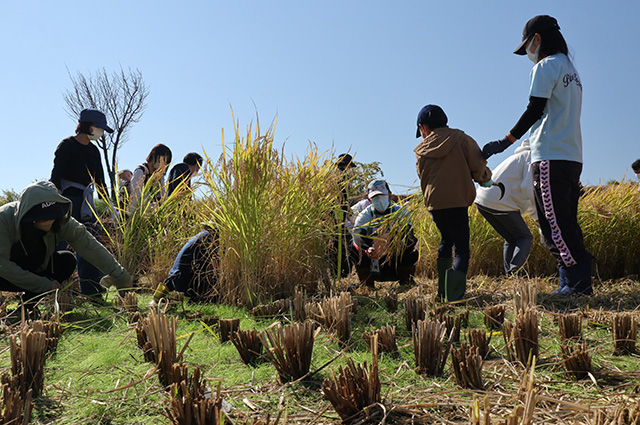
[(274, 217)]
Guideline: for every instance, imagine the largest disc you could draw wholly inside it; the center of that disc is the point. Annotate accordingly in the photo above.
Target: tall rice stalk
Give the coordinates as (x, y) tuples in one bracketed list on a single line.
[(605, 213), (146, 239), (274, 217), (612, 213)]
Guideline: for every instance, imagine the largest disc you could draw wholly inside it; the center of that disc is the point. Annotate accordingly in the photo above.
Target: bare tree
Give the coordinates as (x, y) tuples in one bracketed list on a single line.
[(121, 96)]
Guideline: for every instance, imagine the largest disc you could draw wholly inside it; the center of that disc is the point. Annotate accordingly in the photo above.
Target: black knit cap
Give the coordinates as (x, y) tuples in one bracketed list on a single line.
[(46, 211)]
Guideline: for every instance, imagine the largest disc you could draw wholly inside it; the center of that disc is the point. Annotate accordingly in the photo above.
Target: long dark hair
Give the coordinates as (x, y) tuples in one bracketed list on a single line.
[(158, 151), (552, 42)]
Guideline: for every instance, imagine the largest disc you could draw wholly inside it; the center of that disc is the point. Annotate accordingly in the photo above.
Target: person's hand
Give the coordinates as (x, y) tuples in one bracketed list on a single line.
[(495, 147), (487, 184), (123, 281)]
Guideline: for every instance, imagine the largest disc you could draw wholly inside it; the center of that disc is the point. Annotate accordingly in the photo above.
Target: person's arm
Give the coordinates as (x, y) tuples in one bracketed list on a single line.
[(361, 230), (94, 252), (477, 164), (61, 159), (534, 111), (135, 187)]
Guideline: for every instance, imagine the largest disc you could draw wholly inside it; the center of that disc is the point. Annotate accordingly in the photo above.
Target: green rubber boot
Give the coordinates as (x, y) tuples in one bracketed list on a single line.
[(455, 284), (443, 265)]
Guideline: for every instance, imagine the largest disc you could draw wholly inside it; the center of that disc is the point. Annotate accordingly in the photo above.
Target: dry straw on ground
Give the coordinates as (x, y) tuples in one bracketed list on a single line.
[(429, 347), (355, 392), (160, 332), (336, 315), (415, 309), (227, 328), (478, 338), (28, 356), (494, 316), (289, 349), (576, 360), (248, 345), (386, 337), (521, 339), (570, 326), (191, 404), (466, 363), (625, 333), (14, 408)]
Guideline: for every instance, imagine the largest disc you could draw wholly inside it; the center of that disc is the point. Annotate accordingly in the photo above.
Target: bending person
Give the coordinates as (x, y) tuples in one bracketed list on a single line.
[(373, 259), (29, 230), (505, 215)]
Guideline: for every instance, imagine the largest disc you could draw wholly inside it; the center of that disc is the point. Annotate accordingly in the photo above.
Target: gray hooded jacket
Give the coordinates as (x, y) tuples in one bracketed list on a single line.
[(70, 230)]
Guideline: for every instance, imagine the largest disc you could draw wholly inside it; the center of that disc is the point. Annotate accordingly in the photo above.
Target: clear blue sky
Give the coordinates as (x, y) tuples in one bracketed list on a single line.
[(345, 75)]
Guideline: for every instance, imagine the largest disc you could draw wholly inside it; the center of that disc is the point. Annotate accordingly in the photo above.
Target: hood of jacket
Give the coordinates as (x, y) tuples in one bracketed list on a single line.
[(437, 144), (36, 193)]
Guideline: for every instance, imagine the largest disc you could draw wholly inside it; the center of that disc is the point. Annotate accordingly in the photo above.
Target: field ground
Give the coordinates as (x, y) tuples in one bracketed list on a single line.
[(98, 374)]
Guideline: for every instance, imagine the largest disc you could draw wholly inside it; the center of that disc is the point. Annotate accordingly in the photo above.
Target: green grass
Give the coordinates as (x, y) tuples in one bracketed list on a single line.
[(99, 376)]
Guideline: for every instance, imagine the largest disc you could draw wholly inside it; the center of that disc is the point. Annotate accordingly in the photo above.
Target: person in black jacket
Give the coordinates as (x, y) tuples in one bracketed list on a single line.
[(77, 169), (183, 171)]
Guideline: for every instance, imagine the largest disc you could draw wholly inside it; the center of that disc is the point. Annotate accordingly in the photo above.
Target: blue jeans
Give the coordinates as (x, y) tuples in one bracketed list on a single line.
[(453, 224)]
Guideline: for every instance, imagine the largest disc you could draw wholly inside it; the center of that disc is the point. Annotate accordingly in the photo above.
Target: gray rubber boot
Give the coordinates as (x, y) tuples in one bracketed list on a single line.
[(455, 285), (443, 265)]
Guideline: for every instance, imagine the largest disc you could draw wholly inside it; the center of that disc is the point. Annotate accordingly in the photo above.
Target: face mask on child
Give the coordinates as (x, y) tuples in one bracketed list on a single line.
[(638, 176), (380, 202), (533, 56)]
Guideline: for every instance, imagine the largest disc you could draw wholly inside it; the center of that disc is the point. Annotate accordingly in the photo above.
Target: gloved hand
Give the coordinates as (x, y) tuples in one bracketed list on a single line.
[(487, 184), (125, 280), (495, 147)]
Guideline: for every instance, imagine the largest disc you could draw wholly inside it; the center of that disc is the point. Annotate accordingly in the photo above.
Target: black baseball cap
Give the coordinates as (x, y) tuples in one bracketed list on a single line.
[(345, 161), (433, 116), (538, 24)]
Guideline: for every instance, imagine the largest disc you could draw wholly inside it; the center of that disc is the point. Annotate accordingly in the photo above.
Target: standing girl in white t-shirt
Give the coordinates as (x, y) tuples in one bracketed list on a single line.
[(552, 118)]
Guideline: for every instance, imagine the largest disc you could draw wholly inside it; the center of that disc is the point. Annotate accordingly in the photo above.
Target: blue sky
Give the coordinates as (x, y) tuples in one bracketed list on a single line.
[(344, 75)]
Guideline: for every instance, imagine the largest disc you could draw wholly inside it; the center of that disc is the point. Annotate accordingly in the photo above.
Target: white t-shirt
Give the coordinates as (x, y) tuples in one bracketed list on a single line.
[(515, 173), (557, 135)]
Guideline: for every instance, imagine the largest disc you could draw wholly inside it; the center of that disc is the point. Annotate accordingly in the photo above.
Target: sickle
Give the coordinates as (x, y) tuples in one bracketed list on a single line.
[(501, 186)]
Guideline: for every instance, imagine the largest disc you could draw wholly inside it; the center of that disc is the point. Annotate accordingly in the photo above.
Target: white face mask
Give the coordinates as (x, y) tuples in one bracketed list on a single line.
[(380, 202), (533, 57), (97, 133), (638, 176)]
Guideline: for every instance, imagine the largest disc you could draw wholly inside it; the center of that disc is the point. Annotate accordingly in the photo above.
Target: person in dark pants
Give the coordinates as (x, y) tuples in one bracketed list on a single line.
[(182, 172), (448, 162), (30, 229), (370, 252), (504, 211), (77, 169), (194, 271), (339, 249), (552, 118)]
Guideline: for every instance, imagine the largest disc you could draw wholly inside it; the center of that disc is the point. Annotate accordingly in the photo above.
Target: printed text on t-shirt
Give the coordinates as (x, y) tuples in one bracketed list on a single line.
[(568, 78)]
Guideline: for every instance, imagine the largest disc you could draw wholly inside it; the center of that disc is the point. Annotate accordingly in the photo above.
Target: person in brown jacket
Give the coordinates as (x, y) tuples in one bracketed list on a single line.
[(448, 161)]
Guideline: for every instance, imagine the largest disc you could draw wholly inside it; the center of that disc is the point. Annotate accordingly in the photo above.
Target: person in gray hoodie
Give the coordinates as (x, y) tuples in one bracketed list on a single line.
[(30, 228)]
